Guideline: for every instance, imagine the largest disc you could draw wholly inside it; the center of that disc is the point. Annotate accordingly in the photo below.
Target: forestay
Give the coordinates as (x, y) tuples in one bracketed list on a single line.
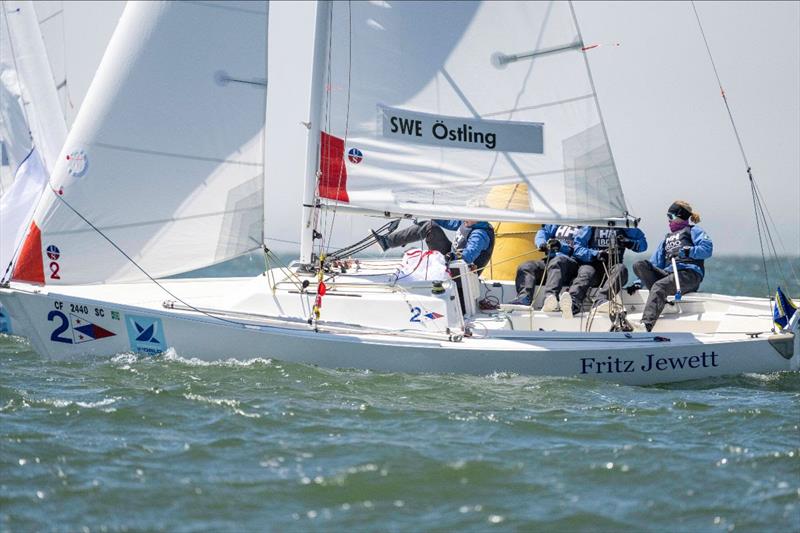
[(165, 159), (429, 105)]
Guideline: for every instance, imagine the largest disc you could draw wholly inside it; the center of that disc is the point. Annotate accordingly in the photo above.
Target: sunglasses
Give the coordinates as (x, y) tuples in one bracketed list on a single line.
[(672, 216)]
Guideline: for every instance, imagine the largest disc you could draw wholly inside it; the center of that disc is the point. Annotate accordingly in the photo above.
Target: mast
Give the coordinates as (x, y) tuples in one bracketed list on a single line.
[(315, 116)]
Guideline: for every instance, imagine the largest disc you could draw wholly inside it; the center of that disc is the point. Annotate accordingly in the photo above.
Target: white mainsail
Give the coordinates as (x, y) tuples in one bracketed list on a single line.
[(164, 164), (426, 107)]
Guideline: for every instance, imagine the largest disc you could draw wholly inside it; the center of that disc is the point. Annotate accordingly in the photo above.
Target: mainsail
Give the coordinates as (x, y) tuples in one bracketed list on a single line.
[(428, 106), (163, 169)]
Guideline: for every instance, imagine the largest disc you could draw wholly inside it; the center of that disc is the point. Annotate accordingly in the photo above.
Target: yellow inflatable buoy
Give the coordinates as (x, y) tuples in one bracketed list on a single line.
[(513, 240)]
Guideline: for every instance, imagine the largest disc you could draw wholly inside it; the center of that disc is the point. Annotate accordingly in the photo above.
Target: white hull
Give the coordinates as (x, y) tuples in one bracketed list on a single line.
[(73, 321)]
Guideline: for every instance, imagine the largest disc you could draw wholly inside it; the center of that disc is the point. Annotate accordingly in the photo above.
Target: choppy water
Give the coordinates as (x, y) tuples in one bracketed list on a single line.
[(138, 443)]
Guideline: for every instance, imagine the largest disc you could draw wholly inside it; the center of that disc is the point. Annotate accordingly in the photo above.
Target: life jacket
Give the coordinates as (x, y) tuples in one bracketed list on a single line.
[(602, 238), (462, 236), (566, 234), (673, 247)]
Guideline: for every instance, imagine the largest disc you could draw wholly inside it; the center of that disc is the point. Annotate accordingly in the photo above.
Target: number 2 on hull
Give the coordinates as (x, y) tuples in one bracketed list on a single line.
[(55, 336)]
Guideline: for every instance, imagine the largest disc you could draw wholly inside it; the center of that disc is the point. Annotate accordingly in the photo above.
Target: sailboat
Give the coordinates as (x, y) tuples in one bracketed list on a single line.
[(417, 110)]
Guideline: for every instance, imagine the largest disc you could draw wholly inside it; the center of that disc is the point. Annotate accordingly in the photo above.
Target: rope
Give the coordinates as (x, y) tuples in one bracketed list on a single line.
[(324, 246), (758, 202), (142, 270)]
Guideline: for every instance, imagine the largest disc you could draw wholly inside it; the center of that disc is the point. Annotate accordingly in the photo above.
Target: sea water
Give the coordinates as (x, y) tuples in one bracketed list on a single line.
[(132, 443)]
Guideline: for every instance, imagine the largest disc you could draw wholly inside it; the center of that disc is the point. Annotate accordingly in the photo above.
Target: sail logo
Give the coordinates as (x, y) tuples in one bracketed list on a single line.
[(85, 331), (461, 132), (355, 156), (53, 252), (146, 334), (77, 164)]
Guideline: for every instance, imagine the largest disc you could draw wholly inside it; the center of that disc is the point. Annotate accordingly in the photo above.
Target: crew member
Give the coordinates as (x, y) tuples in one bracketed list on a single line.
[(690, 246), (599, 251), (559, 269), (474, 240)]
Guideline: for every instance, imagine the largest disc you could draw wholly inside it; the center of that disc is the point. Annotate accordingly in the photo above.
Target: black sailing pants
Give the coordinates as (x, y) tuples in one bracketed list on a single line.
[(560, 271), (427, 231), (662, 284)]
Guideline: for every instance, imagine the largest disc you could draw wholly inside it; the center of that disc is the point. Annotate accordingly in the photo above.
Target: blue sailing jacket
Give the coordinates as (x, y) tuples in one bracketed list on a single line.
[(583, 242), (701, 249), (479, 238), (566, 235)]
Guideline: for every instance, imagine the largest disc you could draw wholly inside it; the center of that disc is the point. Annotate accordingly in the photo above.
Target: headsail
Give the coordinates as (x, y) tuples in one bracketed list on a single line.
[(32, 127), (428, 106), (27, 55), (164, 164)]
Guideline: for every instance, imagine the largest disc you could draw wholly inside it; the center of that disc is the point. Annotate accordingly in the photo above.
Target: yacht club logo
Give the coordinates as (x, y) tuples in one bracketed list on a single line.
[(53, 252), (146, 334), (77, 163), (355, 155)]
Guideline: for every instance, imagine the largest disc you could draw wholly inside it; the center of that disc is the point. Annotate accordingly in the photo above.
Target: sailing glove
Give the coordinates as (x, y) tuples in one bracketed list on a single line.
[(634, 287), (453, 256), (625, 242)]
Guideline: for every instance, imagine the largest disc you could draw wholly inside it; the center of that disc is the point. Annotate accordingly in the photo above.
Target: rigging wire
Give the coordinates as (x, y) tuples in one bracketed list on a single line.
[(140, 268), (325, 244), (759, 205)]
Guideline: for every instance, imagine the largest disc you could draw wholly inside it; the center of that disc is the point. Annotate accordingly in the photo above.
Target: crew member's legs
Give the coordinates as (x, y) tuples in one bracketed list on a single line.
[(529, 275), (560, 271), (588, 276), (427, 231), (648, 273), (690, 282)]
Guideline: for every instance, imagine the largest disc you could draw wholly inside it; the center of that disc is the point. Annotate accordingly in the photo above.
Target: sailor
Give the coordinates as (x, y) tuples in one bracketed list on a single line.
[(474, 240), (599, 251), (558, 269), (690, 246)]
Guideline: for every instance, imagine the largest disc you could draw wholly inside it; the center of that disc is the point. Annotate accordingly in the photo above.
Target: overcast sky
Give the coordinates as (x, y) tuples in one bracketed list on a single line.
[(667, 124)]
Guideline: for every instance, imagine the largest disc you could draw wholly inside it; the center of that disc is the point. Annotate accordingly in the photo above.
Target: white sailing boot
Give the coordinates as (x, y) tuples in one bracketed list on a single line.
[(550, 304), (565, 302)]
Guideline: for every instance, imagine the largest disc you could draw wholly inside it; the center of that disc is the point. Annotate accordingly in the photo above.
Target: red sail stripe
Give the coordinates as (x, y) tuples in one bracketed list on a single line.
[(333, 173), (30, 266)]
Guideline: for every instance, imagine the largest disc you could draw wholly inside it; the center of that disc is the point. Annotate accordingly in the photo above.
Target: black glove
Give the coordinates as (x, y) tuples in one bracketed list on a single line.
[(453, 256), (543, 247), (553, 245), (634, 287), (625, 242), (686, 250), (602, 256)]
